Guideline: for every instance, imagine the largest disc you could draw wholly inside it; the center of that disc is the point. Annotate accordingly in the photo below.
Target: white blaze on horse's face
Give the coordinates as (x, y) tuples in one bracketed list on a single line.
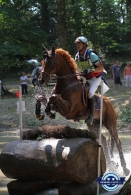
[(49, 62), (45, 60)]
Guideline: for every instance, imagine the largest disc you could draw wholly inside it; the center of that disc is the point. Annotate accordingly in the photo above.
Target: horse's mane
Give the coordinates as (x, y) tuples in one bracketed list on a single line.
[(68, 58)]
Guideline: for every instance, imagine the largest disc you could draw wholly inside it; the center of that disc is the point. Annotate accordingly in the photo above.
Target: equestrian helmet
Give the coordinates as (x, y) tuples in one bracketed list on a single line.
[(81, 39)]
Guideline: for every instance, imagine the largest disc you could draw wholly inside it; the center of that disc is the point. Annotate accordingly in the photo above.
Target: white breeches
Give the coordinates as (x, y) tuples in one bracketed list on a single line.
[(128, 80), (94, 83)]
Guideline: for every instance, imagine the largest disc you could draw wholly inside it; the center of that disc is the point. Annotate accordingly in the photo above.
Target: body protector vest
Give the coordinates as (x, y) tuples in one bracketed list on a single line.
[(91, 65)]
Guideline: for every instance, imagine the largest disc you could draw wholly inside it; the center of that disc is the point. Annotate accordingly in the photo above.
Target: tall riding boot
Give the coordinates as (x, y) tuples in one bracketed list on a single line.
[(91, 104)]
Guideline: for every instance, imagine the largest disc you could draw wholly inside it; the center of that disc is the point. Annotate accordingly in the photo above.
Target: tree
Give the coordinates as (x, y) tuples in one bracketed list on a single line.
[(61, 23), (20, 34), (25, 25)]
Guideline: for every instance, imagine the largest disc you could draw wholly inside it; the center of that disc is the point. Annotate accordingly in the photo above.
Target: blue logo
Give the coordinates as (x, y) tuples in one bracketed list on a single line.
[(110, 181)]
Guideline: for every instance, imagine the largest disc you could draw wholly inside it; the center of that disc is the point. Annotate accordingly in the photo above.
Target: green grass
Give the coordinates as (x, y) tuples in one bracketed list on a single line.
[(126, 115)]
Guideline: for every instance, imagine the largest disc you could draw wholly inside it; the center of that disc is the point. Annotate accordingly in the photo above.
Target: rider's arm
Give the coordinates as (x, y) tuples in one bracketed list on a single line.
[(95, 60), (99, 67)]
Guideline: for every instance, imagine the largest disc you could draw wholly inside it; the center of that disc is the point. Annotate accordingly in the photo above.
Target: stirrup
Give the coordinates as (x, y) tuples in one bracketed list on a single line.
[(89, 120)]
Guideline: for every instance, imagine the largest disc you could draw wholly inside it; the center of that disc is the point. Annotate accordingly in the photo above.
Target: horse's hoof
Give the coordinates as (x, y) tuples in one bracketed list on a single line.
[(37, 112), (126, 171), (52, 116), (42, 117), (47, 111), (48, 114)]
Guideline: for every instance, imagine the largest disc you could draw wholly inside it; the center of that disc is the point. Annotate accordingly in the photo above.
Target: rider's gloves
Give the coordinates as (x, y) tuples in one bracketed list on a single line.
[(87, 71)]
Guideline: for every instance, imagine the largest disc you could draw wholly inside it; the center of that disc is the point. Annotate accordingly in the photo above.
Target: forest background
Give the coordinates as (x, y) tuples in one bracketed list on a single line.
[(26, 24)]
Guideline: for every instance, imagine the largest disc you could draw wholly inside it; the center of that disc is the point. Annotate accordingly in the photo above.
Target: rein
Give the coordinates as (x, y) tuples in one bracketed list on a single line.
[(62, 77), (65, 76)]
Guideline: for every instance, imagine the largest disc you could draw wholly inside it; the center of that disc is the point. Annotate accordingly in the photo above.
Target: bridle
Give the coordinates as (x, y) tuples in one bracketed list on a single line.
[(54, 63)]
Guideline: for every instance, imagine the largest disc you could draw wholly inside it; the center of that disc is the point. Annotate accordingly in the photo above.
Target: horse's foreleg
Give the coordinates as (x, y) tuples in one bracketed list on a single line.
[(63, 106), (38, 110), (48, 111), (60, 105)]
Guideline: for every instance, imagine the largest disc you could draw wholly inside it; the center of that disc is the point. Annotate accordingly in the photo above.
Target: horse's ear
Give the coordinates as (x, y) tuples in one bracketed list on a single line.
[(44, 48), (45, 51), (53, 50)]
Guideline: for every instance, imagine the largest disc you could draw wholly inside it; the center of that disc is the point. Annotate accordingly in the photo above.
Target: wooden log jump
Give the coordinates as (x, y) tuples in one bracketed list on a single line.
[(52, 159), (61, 156), (58, 132)]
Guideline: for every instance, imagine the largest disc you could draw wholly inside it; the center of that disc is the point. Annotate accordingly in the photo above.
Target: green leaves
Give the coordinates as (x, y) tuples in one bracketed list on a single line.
[(40, 137), (25, 25), (126, 115)]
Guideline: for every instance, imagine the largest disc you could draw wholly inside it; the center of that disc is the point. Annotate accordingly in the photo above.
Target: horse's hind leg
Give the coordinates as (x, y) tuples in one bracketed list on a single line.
[(95, 128), (114, 139), (105, 145), (112, 147), (110, 122), (122, 159)]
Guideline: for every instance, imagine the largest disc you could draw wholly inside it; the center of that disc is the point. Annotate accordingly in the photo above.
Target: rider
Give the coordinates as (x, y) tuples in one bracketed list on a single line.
[(93, 75)]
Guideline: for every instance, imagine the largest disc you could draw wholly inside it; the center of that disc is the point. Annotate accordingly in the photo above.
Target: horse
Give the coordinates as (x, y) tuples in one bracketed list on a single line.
[(67, 98)]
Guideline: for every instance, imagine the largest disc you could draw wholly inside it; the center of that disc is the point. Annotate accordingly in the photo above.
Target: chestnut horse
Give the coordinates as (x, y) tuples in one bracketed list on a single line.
[(68, 97)]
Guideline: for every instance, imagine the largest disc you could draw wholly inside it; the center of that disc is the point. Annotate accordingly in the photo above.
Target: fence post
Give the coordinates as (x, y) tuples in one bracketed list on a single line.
[(20, 111)]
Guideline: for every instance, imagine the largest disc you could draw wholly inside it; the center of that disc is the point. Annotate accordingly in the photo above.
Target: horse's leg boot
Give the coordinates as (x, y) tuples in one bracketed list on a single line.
[(91, 104)]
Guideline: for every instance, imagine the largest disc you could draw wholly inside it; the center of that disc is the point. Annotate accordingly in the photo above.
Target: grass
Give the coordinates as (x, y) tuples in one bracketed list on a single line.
[(126, 115)]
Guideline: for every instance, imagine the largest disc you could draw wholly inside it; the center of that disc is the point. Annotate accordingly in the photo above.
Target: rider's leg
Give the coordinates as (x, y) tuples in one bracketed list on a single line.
[(94, 83), (91, 105)]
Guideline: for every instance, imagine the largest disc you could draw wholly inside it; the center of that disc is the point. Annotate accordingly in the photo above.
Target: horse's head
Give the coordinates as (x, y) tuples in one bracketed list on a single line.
[(48, 64)]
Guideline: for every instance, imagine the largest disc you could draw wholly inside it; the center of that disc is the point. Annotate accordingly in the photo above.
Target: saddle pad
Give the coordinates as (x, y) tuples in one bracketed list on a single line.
[(97, 103)]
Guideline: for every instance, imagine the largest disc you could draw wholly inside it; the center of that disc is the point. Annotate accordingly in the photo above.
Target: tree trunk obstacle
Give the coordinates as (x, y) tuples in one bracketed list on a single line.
[(64, 155)]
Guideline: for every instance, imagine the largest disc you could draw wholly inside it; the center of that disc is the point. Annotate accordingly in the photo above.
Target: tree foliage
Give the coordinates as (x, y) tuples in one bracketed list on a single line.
[(25, 25)]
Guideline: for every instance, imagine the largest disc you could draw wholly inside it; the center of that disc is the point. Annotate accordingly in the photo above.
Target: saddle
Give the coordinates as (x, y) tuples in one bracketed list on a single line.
[(85, 89)]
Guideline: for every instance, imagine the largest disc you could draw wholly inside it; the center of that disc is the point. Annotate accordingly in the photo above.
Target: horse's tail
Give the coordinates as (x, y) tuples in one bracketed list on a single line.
[(110, 121), (109, 108)]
